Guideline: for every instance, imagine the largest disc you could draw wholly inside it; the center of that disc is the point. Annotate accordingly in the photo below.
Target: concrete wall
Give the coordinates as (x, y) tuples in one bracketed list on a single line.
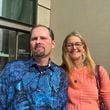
[(43, 12), (91, 18)]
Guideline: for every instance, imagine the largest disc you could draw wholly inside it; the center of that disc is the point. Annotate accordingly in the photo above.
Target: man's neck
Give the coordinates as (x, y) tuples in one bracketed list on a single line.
[(42, 61)]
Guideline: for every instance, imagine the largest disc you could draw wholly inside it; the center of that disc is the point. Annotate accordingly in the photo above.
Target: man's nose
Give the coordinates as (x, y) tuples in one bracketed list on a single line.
[(38, 40)]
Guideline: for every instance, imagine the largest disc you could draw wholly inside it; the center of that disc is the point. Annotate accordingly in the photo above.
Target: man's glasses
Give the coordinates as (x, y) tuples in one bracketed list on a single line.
[(77, 44)]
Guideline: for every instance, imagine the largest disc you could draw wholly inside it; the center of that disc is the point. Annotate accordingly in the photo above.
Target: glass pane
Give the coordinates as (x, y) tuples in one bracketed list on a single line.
[(7, 46), (23, 46), (20, 10), (13, 45)]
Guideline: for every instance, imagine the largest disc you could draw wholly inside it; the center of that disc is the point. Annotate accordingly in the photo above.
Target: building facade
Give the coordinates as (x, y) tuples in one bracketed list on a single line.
[(16, 19), (89, 18)]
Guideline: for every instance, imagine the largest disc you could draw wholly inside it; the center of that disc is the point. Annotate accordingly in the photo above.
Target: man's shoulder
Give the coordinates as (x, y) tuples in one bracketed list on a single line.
[(59, 74), (16, 63), (53, 64), (14, 67), (58, 67)]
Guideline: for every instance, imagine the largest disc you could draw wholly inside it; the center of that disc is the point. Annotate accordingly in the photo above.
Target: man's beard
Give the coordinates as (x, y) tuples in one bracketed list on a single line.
[(39, 54)]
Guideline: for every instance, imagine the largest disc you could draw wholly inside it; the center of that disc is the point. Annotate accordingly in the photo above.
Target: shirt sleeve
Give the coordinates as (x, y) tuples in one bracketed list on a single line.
[(62, 93), (3, 91), (105, 86), (6, 91)]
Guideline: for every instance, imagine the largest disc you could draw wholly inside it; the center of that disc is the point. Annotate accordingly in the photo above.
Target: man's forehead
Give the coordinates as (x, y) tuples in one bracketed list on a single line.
[(40, 32), (41, 29)]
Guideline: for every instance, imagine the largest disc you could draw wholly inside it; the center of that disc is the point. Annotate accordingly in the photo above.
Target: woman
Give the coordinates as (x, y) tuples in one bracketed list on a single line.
[(78, 63)]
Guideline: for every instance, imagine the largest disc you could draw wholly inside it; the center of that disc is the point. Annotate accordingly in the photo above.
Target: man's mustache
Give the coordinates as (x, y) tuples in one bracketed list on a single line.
[(38, 45)]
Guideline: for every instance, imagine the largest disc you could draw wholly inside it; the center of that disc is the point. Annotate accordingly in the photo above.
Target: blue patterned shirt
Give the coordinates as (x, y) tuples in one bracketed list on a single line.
[(25, 86)]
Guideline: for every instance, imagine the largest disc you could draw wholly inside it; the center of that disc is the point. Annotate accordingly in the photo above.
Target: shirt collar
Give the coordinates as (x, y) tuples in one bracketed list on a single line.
[(34, 64)]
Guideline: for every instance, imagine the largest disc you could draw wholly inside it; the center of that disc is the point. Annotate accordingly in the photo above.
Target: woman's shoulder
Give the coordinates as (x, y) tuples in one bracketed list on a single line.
[(103, 73)]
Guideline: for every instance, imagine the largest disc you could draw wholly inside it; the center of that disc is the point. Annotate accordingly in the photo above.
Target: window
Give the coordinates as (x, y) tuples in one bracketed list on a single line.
[(13, 45), (16, 19), (19, 10)]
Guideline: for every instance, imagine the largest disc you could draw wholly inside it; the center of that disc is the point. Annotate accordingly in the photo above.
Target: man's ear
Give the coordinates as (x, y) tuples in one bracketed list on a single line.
[(53, 44)]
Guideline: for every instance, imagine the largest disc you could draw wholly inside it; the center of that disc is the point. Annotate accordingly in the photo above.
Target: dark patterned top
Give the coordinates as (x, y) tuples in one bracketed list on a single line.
[(25, 86)]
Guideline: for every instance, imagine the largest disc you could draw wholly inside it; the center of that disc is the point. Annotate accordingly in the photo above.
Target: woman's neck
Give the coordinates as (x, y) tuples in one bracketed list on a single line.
[(78, 64)]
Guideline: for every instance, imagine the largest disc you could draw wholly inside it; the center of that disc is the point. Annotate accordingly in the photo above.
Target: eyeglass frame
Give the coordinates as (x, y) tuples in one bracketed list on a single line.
[(76, 44)]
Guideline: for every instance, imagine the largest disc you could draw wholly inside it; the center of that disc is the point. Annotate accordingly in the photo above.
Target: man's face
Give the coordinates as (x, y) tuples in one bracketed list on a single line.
[(41, 43)]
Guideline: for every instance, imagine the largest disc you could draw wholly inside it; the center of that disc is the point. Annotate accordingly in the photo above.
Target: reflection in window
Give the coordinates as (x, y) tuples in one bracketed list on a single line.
[(20, 10), (13, 45), (23, 46)]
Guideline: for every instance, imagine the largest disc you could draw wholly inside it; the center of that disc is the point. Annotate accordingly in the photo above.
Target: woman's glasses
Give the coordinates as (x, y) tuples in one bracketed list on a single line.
[(76, 44)]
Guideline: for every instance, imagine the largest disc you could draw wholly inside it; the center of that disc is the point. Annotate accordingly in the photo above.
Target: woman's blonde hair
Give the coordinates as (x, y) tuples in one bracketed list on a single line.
[(68, 64)]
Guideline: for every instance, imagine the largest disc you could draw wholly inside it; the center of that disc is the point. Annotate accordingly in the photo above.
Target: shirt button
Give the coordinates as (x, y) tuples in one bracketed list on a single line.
[(41, 72)]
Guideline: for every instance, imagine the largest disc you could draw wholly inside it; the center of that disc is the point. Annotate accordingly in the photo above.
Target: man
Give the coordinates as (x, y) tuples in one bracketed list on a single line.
[(36, 84)]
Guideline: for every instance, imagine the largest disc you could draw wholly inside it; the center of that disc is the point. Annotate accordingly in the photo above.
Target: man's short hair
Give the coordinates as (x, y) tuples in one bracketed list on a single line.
[(50, 30)]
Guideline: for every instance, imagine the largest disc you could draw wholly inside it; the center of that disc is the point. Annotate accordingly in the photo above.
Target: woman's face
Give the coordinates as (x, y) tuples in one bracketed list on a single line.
[(75, 48)]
